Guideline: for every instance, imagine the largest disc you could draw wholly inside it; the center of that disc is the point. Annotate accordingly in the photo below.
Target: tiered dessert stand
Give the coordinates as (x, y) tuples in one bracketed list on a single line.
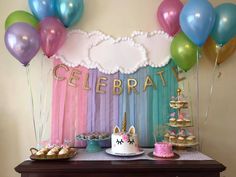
[(180, 124)]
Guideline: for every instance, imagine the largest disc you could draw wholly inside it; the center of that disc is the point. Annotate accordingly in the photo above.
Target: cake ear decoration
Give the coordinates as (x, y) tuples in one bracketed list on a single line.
[(131, 130), (116, 129)]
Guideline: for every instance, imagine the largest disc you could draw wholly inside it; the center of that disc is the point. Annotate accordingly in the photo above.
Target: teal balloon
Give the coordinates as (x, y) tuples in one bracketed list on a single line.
[(42, 8), (225, 25), (69, 11)]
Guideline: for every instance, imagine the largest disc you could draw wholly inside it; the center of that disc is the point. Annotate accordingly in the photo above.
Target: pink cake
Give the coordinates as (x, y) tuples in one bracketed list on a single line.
[(163, 150)]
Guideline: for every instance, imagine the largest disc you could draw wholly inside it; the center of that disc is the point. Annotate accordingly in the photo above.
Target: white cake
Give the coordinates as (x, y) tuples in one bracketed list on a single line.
[(124, 142)]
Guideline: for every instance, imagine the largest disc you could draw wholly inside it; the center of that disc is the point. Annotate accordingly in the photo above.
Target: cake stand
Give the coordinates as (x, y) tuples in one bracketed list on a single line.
[(92, 143)]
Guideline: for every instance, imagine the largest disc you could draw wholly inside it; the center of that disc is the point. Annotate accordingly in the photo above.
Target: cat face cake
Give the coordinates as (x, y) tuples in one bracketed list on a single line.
[(124, 142)]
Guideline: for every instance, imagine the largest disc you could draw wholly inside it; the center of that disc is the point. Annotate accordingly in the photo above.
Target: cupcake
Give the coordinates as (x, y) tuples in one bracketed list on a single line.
[(172, 121), (191, 139), (63, 153), (182, 133), (180, 122), (51, 155), (172, 139), (181, 140), (187, 122), (166, 136)]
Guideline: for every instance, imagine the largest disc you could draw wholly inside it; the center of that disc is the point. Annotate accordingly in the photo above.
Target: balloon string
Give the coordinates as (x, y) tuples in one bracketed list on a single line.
[(190, 102), (212, 87), (198, 98), (47, 109), (40, 101), (32, 103)]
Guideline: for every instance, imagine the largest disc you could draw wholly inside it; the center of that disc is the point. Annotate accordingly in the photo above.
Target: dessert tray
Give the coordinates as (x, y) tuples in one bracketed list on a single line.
[(185, 144), (71, 153), (109, 151), (93, 140), (177, 126)]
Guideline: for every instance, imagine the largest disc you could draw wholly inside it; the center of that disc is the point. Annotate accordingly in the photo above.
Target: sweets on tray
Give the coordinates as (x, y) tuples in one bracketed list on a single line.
[(94, 136), (54, 152)]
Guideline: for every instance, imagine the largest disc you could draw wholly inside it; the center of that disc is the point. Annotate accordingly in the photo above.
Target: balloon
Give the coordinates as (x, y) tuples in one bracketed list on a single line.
[(197, 20), (183, 51), (70, 11), (225, 26), (42, 8), (52, 35), (210, 50), (168, 15), (21, 16), (22, 41)]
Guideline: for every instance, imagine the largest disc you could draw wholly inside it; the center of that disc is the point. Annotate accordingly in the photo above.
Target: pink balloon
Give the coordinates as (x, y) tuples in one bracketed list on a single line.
[(168, 15), (52, 35)]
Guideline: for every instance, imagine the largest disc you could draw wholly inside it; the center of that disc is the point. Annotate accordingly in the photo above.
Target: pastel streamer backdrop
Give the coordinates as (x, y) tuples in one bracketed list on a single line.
[(76, 110)]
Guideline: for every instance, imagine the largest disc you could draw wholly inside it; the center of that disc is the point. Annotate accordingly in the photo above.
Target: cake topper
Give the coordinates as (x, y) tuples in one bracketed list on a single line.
[(124, 123)]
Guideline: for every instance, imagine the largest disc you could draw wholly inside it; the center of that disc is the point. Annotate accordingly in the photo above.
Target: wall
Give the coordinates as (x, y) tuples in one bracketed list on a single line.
[(117, 18)]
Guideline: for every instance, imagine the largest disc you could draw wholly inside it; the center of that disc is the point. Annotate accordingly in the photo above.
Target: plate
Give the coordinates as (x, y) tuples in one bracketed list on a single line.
[(109, 151), (176, 156)]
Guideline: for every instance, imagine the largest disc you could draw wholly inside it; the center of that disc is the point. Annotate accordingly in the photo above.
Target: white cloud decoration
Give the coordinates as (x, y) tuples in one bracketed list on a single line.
[(109, 55)]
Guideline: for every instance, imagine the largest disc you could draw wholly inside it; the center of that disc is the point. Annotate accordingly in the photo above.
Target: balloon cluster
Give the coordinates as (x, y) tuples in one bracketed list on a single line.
[(46, 28), (198, 24)]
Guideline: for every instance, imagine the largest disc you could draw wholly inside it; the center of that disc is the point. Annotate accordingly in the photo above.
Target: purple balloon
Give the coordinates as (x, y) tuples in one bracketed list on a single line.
[(22, 41)]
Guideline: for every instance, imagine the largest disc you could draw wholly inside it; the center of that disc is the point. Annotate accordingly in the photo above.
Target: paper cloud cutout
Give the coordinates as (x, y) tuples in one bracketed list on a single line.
[(123, 55), (157, 44), (109, 55), (75, 50)]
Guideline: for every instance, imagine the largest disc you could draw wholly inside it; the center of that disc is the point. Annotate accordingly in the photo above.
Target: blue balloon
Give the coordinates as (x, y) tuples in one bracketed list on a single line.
[(225, 25), (69, 11), (197, 19), (42, 8)]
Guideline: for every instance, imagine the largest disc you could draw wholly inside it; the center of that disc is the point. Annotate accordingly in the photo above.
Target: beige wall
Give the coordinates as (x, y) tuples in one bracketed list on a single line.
[(116, 18)]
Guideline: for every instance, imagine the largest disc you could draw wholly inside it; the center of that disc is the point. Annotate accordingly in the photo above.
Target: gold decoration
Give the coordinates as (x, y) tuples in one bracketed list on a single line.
[(74, 77), (116, 130), (132, 83), (101, 84), (149, 83), (86, 82), (55, 74), (176, 74), (160, 73), (131, 130), (124, 123), (179, 91), (211, 49), (117, 85)]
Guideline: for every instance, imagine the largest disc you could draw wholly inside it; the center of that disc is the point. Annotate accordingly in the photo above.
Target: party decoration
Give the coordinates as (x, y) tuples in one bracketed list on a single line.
[(168, 15), (210, 50), (42, 8), (69, 11), (22, 41), (197, 20), (21, 16), (52, 35), (224, 28), (145, 110), (184, 51)]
